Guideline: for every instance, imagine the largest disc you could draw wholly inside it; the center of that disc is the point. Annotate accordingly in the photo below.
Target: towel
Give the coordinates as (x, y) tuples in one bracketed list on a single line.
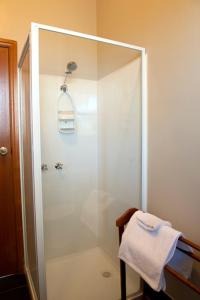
[(150, 222), (148, 244), (181, 262)]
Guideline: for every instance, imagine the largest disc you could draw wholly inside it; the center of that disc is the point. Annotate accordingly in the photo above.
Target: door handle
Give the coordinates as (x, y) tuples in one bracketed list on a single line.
[(3, 151)]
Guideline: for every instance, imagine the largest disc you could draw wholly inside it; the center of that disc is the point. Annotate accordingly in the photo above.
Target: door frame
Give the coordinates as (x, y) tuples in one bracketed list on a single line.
[(14, 135)]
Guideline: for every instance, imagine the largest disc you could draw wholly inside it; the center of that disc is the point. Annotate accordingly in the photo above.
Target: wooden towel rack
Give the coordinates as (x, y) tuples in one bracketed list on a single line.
[(121, 222)]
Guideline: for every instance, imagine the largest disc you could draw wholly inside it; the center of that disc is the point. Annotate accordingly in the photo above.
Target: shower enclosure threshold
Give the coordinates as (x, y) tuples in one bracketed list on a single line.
[(87, 275)]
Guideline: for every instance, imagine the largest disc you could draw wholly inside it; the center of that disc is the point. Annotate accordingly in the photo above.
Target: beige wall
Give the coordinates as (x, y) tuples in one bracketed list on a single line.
[(15, 16), (170, 32)]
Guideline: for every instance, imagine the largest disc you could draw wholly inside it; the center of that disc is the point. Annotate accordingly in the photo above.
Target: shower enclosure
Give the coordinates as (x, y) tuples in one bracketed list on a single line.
[(83, 131)]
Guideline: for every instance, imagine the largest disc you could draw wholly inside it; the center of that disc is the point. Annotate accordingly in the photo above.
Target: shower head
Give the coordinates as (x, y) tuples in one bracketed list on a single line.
[(71, 66)]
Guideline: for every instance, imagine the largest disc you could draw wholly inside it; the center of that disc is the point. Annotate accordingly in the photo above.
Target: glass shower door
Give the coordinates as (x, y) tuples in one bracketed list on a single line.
[(91, 170), (27, 176)]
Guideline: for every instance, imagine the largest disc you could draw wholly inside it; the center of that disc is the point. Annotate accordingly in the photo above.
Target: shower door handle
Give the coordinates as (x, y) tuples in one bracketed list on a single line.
[(3, 151)]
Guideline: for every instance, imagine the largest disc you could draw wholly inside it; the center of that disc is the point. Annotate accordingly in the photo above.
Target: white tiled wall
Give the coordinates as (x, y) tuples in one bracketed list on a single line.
[(66, 192), (101, 161)]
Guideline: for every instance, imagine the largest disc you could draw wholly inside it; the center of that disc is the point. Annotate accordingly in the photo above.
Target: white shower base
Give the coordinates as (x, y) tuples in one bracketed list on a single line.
[(79, 277)]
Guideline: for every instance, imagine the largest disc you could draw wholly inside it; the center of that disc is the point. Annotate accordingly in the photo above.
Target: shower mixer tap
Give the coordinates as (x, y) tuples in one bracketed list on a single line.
[(44, 167), (59, 166)]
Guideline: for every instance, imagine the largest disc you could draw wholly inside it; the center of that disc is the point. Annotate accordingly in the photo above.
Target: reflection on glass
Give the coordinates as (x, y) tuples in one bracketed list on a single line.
[(101, 164)]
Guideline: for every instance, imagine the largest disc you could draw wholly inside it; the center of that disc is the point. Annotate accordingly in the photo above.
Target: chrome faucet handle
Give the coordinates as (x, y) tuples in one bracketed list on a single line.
[(44, 167), (59, 166)]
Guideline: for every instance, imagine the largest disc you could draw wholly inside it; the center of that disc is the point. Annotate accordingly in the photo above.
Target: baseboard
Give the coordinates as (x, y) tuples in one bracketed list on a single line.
[(136, 296), (30, 284)]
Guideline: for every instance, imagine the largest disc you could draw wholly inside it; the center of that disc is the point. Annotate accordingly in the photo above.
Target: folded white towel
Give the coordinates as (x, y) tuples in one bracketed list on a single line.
[(149, 221), (148, 251)]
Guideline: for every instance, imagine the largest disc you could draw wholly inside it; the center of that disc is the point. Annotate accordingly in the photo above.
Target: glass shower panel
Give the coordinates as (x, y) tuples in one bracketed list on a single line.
[(91, 169), (27, 174), (119, 139)]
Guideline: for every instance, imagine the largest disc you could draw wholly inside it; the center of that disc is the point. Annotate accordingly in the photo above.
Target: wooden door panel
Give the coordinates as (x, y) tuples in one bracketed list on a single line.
[(10, 210)]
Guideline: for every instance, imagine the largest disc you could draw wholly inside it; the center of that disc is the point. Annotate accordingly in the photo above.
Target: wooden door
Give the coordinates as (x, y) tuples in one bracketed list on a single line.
[(11, 254)]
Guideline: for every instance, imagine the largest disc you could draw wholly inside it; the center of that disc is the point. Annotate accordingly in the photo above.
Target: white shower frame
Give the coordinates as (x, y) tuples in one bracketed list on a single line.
[(33, 42)]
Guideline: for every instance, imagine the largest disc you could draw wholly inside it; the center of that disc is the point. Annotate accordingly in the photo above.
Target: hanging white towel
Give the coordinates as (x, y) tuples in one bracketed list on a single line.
[(148, 244)]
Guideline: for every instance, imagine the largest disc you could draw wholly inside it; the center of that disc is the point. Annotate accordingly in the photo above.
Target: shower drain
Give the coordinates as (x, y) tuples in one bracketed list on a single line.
[(106, 274)]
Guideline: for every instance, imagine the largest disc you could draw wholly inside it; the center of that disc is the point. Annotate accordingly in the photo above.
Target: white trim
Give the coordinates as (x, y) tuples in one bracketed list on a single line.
[(36, 154), (30, 284), (21, 165), (85, 36), (24, 52), (144, 162)]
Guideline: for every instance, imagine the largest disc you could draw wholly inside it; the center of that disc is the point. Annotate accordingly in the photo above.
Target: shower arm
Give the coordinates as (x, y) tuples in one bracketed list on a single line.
[(64, 87)]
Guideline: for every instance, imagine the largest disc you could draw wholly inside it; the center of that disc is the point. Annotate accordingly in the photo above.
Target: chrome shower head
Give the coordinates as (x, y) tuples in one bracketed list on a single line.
[(71, 66)]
